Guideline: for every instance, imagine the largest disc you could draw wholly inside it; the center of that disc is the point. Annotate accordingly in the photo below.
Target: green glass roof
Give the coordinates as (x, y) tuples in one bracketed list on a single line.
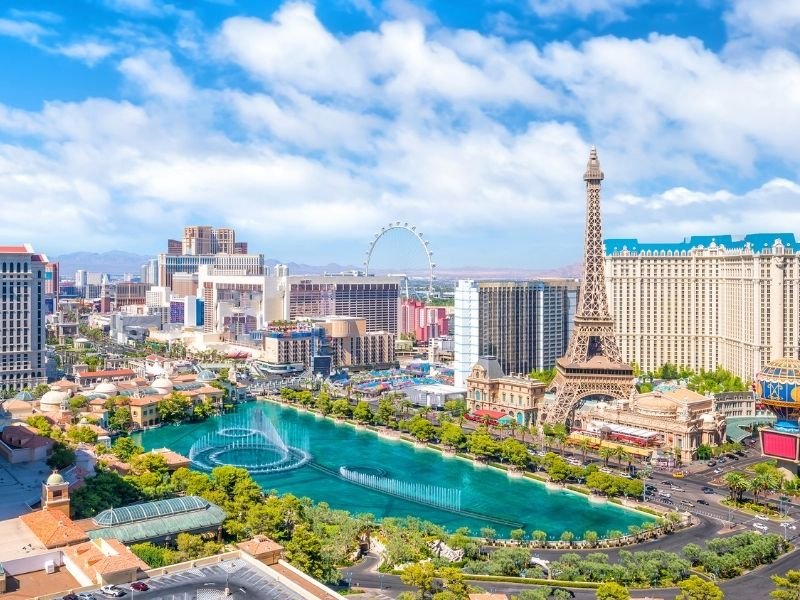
[(150, 510), (196, 521)]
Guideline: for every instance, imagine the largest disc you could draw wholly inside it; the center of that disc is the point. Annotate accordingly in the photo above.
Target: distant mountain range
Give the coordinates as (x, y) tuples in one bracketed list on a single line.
[(118, 262)]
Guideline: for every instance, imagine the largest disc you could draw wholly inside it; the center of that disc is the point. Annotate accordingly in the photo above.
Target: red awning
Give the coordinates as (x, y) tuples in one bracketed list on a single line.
[(492, 414)]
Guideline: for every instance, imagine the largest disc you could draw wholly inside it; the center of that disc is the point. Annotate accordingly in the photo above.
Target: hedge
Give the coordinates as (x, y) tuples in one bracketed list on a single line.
[(531, 580)]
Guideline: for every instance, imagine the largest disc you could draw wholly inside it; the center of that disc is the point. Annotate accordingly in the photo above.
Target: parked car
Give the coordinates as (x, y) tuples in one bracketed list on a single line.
[(140, 586), (701, 501), (112, 591), (69, 597), (760, 526)]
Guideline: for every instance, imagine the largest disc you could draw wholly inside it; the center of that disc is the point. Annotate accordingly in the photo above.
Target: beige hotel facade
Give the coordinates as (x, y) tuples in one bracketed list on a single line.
[(706, 301)]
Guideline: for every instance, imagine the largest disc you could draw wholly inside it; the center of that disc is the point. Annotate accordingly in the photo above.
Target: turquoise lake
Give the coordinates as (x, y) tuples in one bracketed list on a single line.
[(488, 497)]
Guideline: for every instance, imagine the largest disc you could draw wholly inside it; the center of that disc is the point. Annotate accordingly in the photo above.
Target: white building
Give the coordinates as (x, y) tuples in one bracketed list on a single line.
[(706, 301), (22, 318), (466, 334)]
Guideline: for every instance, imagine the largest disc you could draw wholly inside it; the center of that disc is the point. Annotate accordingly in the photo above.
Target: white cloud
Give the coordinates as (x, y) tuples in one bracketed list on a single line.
[(610, 9), (89, 52), (763, 23), (27, 31), (680, 212), (43, 16), (338, 134), (156, 75), (147, 7)]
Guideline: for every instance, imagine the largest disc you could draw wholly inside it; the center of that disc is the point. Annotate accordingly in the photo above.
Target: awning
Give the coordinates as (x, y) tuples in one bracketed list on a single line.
[(492, 414)]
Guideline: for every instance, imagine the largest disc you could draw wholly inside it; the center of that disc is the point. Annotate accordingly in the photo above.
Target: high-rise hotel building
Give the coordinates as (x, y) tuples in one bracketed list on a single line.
[(204, 245), (524, 324), (706, 301), (22, 320)]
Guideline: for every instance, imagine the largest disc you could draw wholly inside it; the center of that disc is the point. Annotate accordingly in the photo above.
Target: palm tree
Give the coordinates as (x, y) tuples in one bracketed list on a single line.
[(763, 482), (584, 445), (621, 455), (737, 485), (606, 453)]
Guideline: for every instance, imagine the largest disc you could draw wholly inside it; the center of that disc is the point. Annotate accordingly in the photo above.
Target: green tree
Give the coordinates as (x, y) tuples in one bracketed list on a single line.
[(77, 404), (567, 536), (386, 411), (534, 594), (737, 485), (174, 408), (546, 377), (419, 575), (61, 457), (606, 453), (341, 408), (695, 588), (82, 434), (591, 537), (514, 452), (120, 419), (422, 429), (456, 408), (482, 445), (786, 587), (452, 436), (363, 413), (323, 403), (517, 534), (453, 583), (611, 590), (704, 452), (124, 448), (304, 551), (40, 390)]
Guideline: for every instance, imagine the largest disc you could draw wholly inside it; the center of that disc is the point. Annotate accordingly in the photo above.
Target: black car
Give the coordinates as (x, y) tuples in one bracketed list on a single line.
[(701, 501), (732, 456), (708, 490), (69, 597)]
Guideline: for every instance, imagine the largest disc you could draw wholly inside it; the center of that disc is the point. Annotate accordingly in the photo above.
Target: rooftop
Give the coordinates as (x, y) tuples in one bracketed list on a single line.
[(104, 557), (754, 241), (150, 510), (53, 528), (109, 373)]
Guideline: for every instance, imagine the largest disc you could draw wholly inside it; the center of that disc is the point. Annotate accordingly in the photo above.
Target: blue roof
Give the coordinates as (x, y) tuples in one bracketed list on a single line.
[(756, 240)]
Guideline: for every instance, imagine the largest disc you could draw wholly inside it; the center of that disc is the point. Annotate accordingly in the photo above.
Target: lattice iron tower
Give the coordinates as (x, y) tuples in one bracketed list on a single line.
[(593, 364)]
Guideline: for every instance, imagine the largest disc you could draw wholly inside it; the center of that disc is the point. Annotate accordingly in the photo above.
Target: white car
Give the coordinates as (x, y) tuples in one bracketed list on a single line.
[(762, 518), (664, 494), (112, 591), (717, 471), (760, 526)]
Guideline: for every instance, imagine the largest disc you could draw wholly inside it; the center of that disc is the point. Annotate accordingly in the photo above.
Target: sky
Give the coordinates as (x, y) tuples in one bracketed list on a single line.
[(308, 126)]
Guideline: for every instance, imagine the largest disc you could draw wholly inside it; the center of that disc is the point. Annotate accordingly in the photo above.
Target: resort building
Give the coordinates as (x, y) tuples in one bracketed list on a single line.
[(706, 301), (22, 318), (421, 321), (374, 299), (524, 324), (676, 421), (489, 391), (203, 245), (144, 411), (352, 345)]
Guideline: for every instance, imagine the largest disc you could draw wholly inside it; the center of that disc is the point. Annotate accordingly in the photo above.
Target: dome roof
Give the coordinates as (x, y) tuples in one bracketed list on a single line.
[(53, 398), (656, 405), (785, 368), (206, 375), (55, 478), (162, 383), (106, 388)]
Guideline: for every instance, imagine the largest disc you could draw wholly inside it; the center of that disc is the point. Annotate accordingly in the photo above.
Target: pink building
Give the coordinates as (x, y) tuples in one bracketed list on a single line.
[(423, 321)]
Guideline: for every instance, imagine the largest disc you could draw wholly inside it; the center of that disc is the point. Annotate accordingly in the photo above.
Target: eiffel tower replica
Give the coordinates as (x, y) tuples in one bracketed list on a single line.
[(592, 365)]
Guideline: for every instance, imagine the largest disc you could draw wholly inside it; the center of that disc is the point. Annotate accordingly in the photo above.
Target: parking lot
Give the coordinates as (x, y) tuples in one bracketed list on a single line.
[(209, 583)]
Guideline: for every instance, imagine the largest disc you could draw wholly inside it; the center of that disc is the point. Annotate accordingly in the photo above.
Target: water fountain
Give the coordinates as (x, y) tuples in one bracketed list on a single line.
[(431, 495), (251, 442)]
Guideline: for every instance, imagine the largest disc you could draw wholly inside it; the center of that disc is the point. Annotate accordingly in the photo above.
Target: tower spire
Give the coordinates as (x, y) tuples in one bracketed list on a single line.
[(592, 365)]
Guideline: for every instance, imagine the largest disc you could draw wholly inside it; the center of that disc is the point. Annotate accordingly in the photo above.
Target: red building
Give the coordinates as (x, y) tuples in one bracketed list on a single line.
[(422, 321)]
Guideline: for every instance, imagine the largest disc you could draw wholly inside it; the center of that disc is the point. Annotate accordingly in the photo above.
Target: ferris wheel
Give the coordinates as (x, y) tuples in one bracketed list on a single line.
[(418, 235)]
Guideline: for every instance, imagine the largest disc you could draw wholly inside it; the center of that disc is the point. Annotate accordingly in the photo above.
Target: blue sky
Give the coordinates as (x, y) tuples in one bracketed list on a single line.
[(308, 126)]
